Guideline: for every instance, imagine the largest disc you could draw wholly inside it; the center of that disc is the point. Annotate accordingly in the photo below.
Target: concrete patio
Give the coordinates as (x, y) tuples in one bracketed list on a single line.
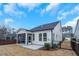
[(32, 46)]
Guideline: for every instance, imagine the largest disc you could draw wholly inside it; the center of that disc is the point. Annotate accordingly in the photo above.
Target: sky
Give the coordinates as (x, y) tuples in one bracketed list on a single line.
[(30, 15)]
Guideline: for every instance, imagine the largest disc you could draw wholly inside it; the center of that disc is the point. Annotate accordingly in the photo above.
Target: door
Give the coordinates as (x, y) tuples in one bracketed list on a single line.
[(29, 38)]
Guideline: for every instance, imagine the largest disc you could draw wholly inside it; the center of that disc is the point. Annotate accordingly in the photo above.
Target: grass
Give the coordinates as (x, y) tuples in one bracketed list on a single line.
[(17, 50)]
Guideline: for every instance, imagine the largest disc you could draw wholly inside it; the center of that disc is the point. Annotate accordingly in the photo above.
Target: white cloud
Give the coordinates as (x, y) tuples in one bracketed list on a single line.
[(65, 14), (30, 6), (72, 23), (9, 8), (8, 21), (49, 7)]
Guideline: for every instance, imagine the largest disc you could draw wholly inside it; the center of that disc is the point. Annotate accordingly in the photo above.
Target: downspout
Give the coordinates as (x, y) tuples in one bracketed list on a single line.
[(51, 39)]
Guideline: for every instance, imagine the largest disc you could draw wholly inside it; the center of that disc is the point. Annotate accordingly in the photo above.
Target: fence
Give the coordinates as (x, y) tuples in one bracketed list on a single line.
[(5, 42), (75, 46)]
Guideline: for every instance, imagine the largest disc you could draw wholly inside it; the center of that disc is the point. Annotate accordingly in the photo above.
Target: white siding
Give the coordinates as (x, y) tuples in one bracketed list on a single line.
[(57, 32), (76, 34), (36, 41)]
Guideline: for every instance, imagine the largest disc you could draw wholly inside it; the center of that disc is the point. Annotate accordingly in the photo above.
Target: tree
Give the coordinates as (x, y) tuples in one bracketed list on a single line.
[(67, 31), (6, 31), (69, 28), (2, 31), (64, 29)]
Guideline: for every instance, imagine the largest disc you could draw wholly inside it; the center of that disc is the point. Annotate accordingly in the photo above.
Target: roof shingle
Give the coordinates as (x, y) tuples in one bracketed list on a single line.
[(48, 26)]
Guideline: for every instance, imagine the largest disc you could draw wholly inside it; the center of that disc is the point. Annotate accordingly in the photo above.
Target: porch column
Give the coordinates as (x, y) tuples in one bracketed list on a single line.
[(32, 39), (26, 39), (16, 38)]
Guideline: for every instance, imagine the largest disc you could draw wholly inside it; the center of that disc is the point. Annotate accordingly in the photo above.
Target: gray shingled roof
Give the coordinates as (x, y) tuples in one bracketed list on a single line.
[(22, 29), (48, 26)]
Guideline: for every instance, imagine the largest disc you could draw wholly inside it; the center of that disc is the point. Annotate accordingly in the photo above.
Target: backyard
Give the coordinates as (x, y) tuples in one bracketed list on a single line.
[(17, 50)]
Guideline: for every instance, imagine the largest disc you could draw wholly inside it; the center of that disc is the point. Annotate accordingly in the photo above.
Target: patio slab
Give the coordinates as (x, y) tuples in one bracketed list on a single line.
[(33, 47)]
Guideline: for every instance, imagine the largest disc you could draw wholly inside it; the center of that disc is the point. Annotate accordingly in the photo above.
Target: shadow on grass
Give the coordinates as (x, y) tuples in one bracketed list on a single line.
[(66, 48), (54, 49), (51, 49)]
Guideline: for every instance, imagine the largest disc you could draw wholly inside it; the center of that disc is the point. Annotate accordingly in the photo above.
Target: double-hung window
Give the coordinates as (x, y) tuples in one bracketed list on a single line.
[(40, 36), (33, 37), (44, 36)]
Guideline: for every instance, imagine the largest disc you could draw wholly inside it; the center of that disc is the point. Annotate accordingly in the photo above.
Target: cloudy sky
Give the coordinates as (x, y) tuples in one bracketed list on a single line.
[(30, 15)]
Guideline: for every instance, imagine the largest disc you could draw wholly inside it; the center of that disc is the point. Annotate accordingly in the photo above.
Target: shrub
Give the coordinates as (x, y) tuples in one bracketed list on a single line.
[(47, 46), (54, 46)]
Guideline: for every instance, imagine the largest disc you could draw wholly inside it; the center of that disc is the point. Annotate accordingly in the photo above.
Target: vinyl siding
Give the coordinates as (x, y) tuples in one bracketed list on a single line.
[(76, 34), (36, 41), (57, 32)]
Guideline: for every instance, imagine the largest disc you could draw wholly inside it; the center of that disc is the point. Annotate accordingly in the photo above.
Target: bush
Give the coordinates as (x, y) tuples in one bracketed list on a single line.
[(54, 46), (47, 46)]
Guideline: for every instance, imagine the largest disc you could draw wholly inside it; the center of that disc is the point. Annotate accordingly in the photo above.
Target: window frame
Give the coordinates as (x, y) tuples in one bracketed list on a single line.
[(40, 36), (44, 36)]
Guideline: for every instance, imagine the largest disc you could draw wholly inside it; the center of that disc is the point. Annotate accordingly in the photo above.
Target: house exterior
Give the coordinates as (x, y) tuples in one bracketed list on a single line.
[(46, 33), (76, 33), (67, 32)]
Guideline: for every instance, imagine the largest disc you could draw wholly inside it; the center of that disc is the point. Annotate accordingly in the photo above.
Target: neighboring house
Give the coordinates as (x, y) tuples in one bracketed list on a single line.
[(67, 36), (47, 33), (67, 32), (76, 33)]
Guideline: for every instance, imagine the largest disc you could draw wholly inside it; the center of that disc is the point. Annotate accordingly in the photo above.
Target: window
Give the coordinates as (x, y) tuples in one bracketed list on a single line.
[(40, 37), (33, 37), (44, 36)]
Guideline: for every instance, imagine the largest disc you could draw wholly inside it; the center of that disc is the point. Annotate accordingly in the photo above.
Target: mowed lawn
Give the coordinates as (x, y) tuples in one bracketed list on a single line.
[(17, 50)]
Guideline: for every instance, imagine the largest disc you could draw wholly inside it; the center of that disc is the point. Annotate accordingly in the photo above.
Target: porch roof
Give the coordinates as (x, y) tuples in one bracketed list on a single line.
[(22, 29)]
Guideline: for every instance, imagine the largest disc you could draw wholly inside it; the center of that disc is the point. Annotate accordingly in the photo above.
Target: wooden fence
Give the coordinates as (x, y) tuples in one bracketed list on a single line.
[(75, 46), (5, 42)]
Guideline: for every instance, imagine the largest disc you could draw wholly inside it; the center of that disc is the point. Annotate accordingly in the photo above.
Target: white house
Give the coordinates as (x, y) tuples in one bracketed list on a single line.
[(67, 32), (76, 33), (46, 33)]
